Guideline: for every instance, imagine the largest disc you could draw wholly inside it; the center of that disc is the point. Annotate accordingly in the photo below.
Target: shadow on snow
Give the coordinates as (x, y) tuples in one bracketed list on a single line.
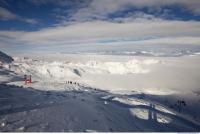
[(80, 111)]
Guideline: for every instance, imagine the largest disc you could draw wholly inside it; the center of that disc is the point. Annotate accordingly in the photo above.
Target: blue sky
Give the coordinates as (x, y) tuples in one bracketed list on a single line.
[(66, 25)]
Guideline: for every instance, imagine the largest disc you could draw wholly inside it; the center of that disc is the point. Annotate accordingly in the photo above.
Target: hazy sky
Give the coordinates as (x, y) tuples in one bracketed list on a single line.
[(76, 25)]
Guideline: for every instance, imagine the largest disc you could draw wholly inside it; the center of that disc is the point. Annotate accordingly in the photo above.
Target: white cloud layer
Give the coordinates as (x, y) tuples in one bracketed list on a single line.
[(100, 8), (163, 32), (92, 28), (7, 15)]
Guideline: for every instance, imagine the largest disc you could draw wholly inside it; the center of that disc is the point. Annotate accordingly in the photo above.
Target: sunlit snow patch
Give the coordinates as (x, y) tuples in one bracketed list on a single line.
[(60, 70), (131, 101), (148, 114), (141, 102), (158, 91)]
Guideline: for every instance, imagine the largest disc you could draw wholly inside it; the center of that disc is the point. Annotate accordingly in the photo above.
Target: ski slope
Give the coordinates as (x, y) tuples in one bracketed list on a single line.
[(100, 93)]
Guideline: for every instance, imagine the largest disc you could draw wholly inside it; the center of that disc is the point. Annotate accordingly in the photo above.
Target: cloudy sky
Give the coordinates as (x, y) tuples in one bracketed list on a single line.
[(83, 25)]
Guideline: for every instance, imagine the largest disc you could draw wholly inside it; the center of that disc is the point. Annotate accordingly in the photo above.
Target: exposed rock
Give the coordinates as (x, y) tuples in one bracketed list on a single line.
[(4, 58)]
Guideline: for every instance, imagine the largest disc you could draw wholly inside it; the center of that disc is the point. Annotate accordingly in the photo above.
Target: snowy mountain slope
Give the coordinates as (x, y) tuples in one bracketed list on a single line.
[(63, 70), (4, 58), (107, 94)]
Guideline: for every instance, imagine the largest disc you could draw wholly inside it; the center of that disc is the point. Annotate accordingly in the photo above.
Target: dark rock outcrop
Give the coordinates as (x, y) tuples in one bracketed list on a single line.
[(4, 58)]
